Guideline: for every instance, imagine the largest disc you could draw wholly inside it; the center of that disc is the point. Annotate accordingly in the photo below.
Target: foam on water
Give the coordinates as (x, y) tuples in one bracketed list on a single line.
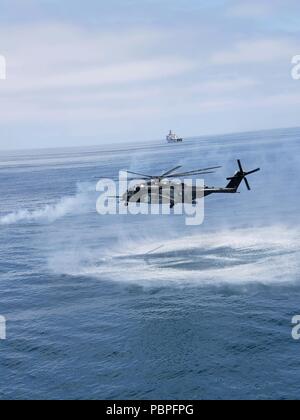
[(262, 255)]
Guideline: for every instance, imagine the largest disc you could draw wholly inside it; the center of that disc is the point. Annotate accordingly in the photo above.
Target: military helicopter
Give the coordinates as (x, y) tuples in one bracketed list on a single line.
[(168, 189)]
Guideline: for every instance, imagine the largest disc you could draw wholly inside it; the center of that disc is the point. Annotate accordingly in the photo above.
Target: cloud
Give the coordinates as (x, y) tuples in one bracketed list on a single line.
[(231, 85), (64, 79), (101, 75), (50, 56), (251, 9), (264, 9), (63, 72), (257, 51)]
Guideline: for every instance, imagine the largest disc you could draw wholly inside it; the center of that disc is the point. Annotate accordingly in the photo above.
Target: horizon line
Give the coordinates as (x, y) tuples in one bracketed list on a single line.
[(136, 142)]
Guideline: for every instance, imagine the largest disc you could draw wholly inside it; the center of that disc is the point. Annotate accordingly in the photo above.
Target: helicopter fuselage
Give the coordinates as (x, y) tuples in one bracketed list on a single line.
[(161, 190)]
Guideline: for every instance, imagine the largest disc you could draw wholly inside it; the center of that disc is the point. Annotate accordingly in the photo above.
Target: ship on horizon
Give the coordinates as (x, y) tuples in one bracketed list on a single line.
[(173, 138)]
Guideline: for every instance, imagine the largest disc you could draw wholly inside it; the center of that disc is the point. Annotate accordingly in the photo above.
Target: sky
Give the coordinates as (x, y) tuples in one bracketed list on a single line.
[(99, 72)]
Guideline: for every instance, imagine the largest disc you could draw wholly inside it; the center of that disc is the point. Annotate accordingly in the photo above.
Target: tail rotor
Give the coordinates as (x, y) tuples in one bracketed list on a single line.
[(242, 175)]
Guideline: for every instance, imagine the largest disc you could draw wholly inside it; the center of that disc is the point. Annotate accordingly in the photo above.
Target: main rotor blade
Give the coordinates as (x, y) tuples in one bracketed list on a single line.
[(154, 250), (252, 172), (204, 169), (240, 166), (189, 174), (135, 179), (143, 175), (247, 184), (121, 179), (170, 171), (198, 171)]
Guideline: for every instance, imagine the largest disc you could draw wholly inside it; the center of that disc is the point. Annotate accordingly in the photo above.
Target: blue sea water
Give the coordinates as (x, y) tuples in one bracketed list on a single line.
[(91, 315)]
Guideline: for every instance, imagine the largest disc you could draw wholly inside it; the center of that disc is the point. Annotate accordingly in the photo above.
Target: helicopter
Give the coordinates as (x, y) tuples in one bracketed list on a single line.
[(168, 189)]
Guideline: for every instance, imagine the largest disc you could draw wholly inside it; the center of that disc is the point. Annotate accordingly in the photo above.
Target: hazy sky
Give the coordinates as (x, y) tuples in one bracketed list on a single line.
[(95, 71)]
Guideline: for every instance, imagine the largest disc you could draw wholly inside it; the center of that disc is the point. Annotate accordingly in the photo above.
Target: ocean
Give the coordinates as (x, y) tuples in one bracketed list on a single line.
[(91, 314)]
